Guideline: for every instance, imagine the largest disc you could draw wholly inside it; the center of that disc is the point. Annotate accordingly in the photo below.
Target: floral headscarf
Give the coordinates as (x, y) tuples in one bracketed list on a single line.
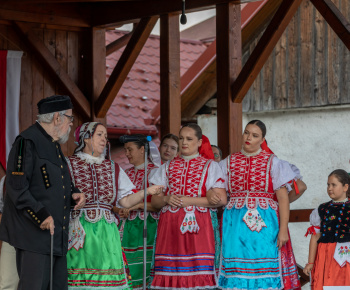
[(85, 131)]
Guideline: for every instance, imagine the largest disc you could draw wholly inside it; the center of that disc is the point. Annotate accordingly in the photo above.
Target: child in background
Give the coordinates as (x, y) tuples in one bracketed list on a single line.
[(329, 250)]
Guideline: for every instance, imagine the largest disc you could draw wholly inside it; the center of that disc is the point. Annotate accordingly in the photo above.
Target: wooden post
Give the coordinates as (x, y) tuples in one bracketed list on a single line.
[(98, 69), (170, 98), (229, 63)]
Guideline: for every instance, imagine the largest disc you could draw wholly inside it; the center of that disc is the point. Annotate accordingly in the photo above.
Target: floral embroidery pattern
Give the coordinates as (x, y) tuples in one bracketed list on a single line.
[(254, 221), (342, 253), (189, 223), (76, 234)]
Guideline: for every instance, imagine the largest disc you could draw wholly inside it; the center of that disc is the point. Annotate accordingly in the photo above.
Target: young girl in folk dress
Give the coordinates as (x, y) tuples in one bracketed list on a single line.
[(329, 251)]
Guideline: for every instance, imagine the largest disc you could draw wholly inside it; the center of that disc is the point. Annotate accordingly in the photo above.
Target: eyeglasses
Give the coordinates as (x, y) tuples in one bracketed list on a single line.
[(71, 118)]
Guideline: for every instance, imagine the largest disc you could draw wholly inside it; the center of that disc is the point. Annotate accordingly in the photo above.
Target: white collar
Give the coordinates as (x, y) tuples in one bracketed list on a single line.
[(90, 159), (341, 201), (251, 154), (141, 166), (190, 157)]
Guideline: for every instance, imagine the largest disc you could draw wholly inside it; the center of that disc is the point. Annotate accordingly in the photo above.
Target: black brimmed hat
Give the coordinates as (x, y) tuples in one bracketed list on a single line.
[(54, 103)]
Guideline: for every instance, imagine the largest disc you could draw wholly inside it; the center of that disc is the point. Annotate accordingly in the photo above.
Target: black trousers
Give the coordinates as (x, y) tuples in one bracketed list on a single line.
[(34, 271)]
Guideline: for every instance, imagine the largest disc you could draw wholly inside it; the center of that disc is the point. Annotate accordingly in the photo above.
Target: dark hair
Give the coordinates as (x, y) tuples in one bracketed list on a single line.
[(196, 128), (170, 136), (139, 143), (217, 147), (261, 125), (343, 177)]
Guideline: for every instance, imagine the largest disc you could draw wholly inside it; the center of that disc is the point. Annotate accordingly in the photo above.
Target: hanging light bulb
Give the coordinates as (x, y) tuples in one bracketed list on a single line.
[(183, 18)]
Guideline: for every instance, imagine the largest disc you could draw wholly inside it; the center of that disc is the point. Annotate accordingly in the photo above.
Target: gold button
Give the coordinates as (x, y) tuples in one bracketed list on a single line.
[(45, 176), (36, 218), (64, 196), (28, 210), (62, 176), (56, 146), (33, 215), (43, 168), (65, 207), (64, 228), (59, 156), (38, 222), (64, 217), (44, 172), (31, 212), (46, 181), (61, 166), (63, 186), (47, 184)]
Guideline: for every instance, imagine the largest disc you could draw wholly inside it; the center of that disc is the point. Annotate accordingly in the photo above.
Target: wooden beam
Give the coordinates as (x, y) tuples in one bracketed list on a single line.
[(124, 65), (170, 99), (45, 56), (335, 19), (42, 18), (98, 69), (110, 14), (264, 48), (300, 215), (118, 43), (229, 63), (202, 74)]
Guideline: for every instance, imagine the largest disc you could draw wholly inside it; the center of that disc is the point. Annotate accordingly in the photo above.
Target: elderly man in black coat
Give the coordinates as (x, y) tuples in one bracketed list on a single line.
[(38, 200)]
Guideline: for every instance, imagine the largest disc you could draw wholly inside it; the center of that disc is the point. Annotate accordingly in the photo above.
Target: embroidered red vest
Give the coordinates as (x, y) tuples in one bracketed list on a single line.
[(137, 178), (98, 183), (249, 181)]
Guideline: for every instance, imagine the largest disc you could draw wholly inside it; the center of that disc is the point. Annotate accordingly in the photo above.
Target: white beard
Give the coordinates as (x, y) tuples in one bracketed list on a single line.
[(63, 139)]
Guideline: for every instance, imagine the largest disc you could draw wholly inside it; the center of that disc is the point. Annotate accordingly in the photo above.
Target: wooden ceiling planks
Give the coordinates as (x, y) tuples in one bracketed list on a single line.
[(335, 19), (44, 54), (124, 65), (263, 49)]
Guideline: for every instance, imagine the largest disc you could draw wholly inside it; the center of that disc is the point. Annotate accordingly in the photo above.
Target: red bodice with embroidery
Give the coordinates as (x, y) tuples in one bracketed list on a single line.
[(137, 178), (97, 182), (249, 181)]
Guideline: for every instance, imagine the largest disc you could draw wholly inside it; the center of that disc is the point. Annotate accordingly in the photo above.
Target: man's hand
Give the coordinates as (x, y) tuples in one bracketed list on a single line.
[(48, 224), (79, 200)]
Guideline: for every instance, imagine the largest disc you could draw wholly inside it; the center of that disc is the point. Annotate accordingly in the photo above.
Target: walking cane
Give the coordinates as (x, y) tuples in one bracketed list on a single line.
[(145, 216), (51, 263)]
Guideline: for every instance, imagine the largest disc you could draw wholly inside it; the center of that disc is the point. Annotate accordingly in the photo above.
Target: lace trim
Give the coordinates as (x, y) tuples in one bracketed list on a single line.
[(90, 159), (252, 203), (189, 209), (190, 157), (250, 154), (94, 215), (141, 214), (341, 201)]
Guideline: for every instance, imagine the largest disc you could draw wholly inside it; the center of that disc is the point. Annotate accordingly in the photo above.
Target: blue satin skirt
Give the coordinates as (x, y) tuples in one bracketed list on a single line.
[(250, 260)]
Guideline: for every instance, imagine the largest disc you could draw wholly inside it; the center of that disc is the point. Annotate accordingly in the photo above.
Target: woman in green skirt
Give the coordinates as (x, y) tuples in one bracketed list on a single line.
[(95, 258), (132, 227)]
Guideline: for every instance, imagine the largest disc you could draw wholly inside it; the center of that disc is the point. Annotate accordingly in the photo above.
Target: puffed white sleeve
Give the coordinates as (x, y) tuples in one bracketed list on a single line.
[(215, 177), (282, 174), (224, 169), (158, 175), (125, 186), (315, 222)]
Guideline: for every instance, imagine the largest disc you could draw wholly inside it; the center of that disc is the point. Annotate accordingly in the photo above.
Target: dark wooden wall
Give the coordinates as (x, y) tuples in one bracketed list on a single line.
[(309, 66), (36, 81)]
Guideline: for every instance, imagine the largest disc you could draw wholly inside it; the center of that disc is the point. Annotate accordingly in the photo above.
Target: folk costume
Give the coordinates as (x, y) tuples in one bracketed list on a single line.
[(38, 185), (133, 230), (332, 263), (250, 258), (95, 257), (185, 246)]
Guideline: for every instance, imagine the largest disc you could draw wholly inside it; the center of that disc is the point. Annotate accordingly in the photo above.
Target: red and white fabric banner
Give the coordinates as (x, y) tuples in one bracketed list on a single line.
[(10, 79)]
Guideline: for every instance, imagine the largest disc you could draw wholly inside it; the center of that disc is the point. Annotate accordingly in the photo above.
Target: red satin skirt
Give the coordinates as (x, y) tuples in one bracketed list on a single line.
[(184, 261), (326, 270)]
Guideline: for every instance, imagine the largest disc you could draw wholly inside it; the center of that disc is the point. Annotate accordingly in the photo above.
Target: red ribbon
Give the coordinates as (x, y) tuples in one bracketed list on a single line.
[(296, 187), (311, 230)]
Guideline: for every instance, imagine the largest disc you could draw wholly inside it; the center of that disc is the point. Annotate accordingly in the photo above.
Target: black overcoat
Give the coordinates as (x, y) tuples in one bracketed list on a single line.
[(38, 185)]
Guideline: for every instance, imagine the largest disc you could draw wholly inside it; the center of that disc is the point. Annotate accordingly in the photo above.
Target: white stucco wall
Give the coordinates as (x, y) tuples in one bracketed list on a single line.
[(316, 140)]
